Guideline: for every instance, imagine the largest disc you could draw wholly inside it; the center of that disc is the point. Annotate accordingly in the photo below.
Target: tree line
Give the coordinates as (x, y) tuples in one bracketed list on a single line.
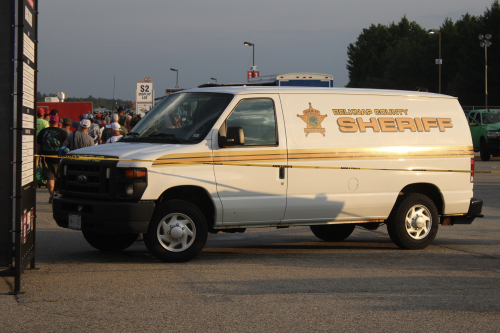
[(402, 56), (97, 102)]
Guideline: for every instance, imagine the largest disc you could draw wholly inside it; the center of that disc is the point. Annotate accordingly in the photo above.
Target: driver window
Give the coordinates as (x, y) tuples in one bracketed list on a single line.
[(257, 118), (477, 117), (472, 118)]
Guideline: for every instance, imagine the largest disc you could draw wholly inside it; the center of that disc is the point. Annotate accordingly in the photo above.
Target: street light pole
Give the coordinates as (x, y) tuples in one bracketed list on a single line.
[(253, 53), (438, 61), (485, 42), (176, 77)]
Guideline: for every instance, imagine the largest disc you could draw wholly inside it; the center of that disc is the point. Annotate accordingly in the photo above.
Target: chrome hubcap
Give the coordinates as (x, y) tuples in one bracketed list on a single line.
[(418, 222), (176, 232)]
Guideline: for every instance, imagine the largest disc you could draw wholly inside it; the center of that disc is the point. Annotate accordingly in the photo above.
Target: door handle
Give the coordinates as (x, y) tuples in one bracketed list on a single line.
[(282, 173)]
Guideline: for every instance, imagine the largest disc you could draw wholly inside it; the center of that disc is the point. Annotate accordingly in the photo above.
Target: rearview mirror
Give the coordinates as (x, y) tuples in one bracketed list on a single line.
[(234, 137)]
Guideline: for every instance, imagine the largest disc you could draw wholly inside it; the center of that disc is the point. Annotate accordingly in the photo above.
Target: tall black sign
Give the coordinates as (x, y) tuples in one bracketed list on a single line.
[(18, 73)]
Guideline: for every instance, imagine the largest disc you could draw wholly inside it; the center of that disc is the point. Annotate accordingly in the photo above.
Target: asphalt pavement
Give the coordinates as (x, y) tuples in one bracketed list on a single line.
[(276, 280)]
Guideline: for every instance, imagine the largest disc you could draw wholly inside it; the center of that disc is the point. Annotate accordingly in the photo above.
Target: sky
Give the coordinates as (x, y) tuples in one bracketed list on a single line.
[(84, 45)]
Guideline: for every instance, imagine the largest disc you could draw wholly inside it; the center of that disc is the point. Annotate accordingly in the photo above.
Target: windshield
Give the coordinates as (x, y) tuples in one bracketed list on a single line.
[(490, 118), (180, 118)]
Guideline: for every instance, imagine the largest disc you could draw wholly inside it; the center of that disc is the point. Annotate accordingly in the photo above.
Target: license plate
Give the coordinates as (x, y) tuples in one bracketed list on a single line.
[(75, 221)]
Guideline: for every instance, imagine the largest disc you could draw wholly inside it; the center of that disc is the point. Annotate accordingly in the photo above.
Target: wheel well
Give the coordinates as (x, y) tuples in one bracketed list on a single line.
[(430, 190), (195, 195)]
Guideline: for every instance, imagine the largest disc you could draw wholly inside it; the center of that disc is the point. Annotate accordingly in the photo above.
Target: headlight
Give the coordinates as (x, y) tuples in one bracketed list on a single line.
[(131, 183), (493, 135)]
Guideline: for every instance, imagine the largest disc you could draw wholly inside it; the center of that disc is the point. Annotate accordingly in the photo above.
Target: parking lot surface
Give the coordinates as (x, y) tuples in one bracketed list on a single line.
[(279, 280)]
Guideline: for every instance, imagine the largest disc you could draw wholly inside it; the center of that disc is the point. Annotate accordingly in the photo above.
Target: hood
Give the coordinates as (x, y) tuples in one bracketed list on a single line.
[(131, 150), (493, 127)]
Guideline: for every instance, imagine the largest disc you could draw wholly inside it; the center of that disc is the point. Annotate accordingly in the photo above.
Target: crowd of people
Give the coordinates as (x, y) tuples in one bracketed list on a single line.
[(57, 136)]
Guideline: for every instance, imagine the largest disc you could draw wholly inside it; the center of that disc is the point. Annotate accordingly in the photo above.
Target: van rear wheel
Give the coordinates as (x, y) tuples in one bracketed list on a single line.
[(177, 231), (414, 222), (332, 232)]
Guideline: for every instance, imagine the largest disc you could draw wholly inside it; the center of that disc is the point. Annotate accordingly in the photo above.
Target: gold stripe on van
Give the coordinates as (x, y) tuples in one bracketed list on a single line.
[(250, 156), (223, 156), (315, 155), (379, 153)]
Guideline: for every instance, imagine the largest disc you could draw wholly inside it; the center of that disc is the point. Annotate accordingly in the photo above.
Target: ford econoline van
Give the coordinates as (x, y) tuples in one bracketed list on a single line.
[(230, 158)]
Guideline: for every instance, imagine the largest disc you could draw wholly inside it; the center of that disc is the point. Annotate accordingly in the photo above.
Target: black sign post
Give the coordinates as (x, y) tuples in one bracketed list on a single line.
[(18, 73)]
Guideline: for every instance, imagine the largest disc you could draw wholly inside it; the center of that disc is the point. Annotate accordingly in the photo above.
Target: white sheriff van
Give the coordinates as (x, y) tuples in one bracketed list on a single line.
[(229, 158)]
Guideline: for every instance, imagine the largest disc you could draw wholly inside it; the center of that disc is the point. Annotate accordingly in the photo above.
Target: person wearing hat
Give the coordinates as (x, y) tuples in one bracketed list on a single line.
[(100, 123), (106, 134), (40, 122), (80, 139), (93, 130), (66, 125), (115, 133), (76, 124), (47, 116), (48, 143)]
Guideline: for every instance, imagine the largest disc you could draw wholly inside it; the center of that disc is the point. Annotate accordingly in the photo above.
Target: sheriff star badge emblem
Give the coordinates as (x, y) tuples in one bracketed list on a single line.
[(313, 119)]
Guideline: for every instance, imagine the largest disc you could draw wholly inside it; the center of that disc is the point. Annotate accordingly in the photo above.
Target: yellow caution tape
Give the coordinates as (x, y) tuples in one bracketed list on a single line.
[(91, 158), (263, 165)]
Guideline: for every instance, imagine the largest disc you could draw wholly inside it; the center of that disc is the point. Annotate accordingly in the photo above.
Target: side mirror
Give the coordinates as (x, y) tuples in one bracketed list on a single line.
[(234, 137)]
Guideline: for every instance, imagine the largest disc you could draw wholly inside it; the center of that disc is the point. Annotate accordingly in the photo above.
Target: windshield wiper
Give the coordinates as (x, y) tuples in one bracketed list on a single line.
[(165, 136), (133, 134)]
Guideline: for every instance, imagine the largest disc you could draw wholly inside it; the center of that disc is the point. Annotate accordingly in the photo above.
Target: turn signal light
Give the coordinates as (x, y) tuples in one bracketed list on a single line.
[(129, 173), (472, 170)]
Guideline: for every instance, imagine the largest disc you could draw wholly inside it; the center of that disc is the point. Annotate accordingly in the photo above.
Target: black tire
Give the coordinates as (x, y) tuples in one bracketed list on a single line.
[(332, 232), (109, 242), (404, 230), (484, 151), (190, 228)]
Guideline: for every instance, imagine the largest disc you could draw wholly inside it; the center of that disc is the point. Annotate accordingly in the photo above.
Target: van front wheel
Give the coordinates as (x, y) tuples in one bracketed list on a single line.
[(484, 151), (332, 232), (109, 242), (177, 232), (414, 222)]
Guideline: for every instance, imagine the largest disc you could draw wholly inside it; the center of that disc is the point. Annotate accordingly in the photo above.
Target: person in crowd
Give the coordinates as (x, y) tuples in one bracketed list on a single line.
[(100, 123), (105, 133), (107, 119), (76, 124), (40, 122), (47, 116), (66, 125), (48, 143), (115, 132), (93, 130), (80, 139), (128, 122), (134, 121), (121, 117)]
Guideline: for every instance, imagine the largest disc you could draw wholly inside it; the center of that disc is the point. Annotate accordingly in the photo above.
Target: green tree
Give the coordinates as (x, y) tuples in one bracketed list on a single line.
[(390, 57), (401, 56)]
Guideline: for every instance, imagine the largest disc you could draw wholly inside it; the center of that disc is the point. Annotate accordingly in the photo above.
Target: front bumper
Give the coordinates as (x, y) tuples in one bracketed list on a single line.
[(475, 209), (104, 216)]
